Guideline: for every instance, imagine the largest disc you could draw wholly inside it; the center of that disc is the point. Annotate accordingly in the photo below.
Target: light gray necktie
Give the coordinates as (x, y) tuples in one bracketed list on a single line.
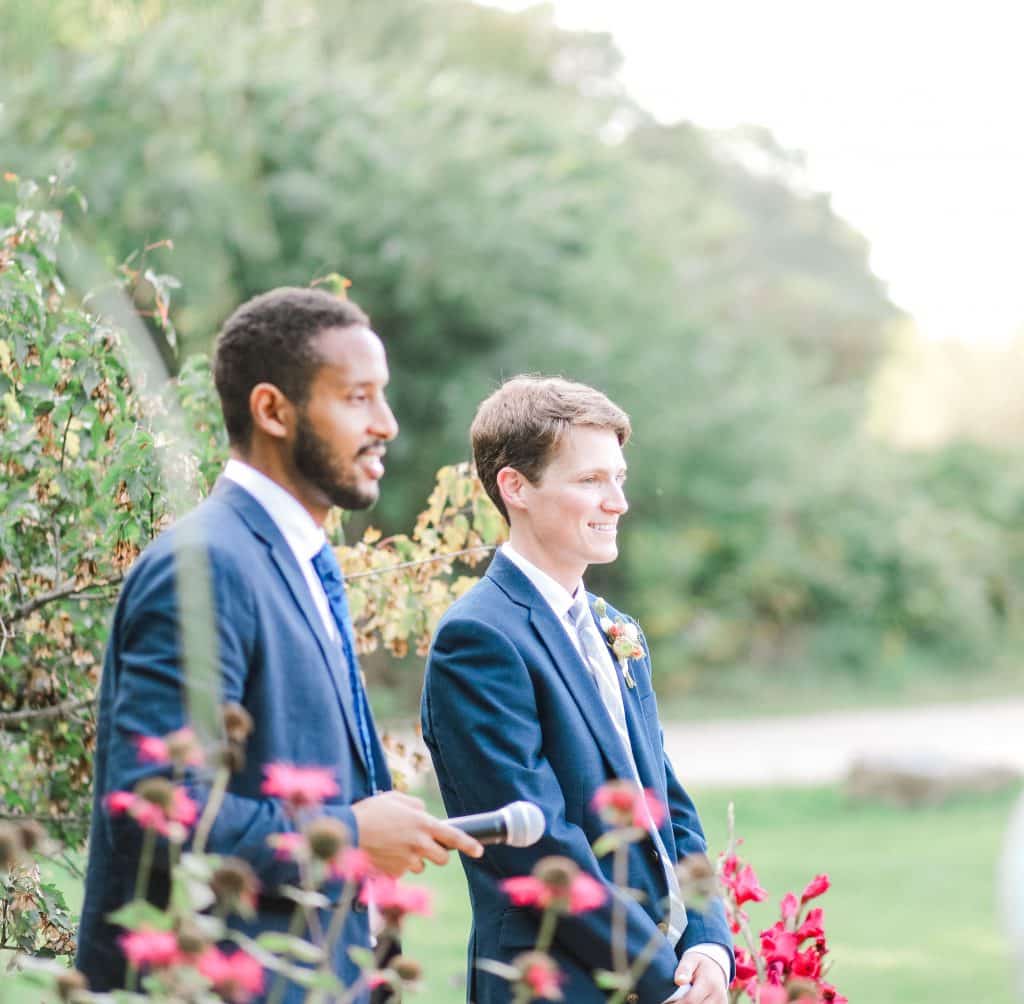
[(595, 653), (599, 661)]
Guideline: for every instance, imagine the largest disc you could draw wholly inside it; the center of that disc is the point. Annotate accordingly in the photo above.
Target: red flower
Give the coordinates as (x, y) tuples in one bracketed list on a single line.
[(183, 810), (146, 947), (119, 802), (813, 925), (151, 749), (300, 787), (779, 945), (830, 995), (807, 963), (395, 900), (585, 893), (237, 977), (745, 968), (790, 907), (745, 887), (351, 865), (818, 885), (378, 979)]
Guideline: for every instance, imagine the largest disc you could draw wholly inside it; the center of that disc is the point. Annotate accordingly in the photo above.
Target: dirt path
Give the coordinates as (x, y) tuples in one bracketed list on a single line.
[(819, 748)]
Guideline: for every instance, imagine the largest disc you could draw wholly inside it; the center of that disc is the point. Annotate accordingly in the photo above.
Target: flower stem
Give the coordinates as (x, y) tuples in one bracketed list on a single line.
[(620, 876), (210, 810), (294, 929), (145, 864), (546, 934)]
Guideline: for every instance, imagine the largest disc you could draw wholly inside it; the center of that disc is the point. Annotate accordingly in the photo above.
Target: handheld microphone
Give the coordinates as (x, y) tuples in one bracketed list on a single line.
[(518, 824)]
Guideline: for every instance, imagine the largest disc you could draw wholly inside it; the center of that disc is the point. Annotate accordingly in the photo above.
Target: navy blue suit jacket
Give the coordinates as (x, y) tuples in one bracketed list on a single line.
[(276, 659), (510, 711)]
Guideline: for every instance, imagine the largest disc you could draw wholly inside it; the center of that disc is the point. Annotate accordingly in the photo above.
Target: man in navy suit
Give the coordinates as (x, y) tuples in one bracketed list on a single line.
[(525, 700), (301, 378)]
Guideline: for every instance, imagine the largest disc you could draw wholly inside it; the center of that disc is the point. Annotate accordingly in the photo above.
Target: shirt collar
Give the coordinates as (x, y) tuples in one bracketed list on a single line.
[(557, 596), (297, 527)]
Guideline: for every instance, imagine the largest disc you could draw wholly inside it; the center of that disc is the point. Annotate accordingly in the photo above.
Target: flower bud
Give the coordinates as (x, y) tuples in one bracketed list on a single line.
[(802, 991), (408, 970), (235, 885), (697, 880), (237, 723), (326, 837), (183, 748), (10, 846), (157, 791), (557, 873), (31, 834), (190, 938), (70, 984)]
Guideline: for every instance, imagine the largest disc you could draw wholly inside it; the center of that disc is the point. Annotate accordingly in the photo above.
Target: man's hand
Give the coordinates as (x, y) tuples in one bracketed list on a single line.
[(708, 984), (398, 834)]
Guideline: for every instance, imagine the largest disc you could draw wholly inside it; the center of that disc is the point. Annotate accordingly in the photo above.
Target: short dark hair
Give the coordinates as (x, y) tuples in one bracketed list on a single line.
[(272, 339), (522, 423)]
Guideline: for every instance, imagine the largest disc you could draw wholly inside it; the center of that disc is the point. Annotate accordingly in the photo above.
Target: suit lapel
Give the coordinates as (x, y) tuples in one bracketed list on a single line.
[(262, 526), (566, 660)]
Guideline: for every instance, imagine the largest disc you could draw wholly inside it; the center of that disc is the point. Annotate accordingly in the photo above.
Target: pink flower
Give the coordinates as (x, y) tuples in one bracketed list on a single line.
[(289, 846), (351, 865), (183, 809), (119, 802), (152, 750), (818, 885), (745, 968), (542, 977), (377, 979), (790, 907), (237, 977), (395, 900), (771, 993), (622, 803), (585, 894), (148, 948), (300, 787), (573, 892), (525, 890)]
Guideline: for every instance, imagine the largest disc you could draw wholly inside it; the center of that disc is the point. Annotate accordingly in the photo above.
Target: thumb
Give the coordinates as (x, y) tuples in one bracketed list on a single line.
[(684, 972)]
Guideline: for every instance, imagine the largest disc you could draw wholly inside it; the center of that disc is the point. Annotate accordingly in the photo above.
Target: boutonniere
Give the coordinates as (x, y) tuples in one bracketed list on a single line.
[(623, 637)]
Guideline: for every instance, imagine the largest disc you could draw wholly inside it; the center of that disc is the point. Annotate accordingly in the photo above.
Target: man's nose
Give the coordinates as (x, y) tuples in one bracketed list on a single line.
[(615, 500), (385, 425)]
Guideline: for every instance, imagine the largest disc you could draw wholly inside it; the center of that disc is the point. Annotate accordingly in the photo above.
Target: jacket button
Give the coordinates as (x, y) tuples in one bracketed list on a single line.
[(663, 927), (632, 999), (358, 907)]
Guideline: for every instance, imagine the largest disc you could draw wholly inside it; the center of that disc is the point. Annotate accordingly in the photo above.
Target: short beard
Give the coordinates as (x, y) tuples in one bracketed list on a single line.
[(312, 458)]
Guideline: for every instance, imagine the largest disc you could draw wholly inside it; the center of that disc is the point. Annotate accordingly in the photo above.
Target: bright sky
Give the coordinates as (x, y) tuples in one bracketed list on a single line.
[(910, 114)]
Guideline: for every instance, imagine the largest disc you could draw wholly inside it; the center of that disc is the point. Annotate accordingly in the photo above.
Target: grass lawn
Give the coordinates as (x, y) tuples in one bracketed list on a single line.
[(910, 916)]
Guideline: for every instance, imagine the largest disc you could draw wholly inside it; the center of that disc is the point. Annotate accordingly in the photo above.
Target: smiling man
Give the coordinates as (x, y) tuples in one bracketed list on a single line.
[(524, 699), (301, 379)]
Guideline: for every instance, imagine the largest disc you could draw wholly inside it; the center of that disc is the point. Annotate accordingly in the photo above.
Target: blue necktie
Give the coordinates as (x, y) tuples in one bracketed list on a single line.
[(329, 571)]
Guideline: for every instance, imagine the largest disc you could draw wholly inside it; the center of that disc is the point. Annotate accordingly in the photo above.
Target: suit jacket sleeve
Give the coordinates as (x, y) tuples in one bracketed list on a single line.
[(150, 701), (482, 716)]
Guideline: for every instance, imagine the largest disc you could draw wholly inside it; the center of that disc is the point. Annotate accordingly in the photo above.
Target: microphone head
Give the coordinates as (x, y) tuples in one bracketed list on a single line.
[(525, 823)]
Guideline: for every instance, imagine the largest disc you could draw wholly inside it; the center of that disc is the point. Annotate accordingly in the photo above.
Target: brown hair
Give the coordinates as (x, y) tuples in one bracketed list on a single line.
[(523, 422)]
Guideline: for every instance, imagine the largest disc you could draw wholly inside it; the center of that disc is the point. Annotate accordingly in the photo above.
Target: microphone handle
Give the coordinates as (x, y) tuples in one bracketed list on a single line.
[(487, 827)]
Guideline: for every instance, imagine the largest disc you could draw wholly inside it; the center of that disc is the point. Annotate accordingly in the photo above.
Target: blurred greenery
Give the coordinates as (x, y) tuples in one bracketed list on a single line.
[(502, 206), (910, 918)]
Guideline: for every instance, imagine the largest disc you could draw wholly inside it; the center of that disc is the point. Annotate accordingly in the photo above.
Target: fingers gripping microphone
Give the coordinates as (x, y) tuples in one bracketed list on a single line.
[(518, 824)]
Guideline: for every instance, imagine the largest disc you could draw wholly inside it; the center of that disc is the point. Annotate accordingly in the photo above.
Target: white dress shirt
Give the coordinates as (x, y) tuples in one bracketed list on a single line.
[(560, 600), (303, 537)]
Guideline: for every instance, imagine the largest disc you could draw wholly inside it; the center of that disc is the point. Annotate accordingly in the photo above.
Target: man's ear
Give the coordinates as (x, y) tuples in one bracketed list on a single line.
[(272, 413), (512, 485)]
